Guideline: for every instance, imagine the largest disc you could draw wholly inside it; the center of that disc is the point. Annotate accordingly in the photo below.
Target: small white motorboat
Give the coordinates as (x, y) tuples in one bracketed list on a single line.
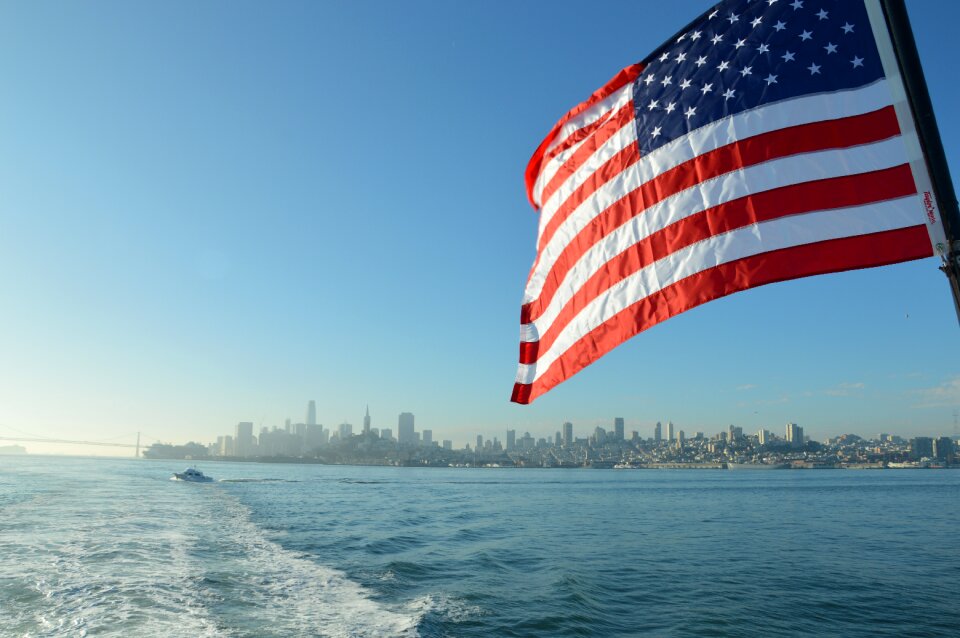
[(192, 474)]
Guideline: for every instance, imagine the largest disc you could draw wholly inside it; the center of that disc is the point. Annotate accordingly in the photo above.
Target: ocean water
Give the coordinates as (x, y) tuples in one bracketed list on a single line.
[(96, 547)]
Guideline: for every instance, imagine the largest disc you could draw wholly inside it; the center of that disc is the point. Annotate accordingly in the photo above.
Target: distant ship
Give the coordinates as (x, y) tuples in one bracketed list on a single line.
[(757, 466)]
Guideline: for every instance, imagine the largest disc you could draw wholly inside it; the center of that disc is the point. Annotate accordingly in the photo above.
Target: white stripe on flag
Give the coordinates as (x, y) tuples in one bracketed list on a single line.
[(744, 242), (786, 171), (603, 108), (744, 125)]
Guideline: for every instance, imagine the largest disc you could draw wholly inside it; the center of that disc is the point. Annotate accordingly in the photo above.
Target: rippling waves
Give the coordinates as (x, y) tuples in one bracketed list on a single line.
[(98, 547)]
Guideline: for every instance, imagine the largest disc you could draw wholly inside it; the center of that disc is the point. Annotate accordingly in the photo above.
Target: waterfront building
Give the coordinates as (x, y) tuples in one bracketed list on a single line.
[(618, 428), (920, 447), (366, 422), (311, 413), (567, 434), (511, 440), (243, 441), (943, 448), (657, 432), (405, 431)]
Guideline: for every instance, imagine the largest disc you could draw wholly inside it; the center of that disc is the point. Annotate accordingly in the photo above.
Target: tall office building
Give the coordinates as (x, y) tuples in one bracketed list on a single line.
[(366, 422), (511, 440), (427, 438), (557, 439), (920, 447), (943, 448), (618, 428), (447, 444), (657, 432), (243, 441), (386, 434), (314, 437), (763, 436), (568, 434), (405, 435), (670, 431), (311, 412), (794, 435), (345, 431), (479, 442)]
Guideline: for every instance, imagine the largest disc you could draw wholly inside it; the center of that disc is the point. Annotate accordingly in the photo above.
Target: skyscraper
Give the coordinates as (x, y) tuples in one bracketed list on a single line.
[(762, 436), (920, 447), (568, 434), (243, 441), (794, 435), (943, 448), (511, 440), (345, 431), (427, 438), (311, 412), (657, 432), (618, 428), (405, 435), (366, 422), (670, 431)]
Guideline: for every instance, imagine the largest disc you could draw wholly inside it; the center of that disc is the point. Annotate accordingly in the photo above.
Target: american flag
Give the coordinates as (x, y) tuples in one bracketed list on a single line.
[(768, 140)]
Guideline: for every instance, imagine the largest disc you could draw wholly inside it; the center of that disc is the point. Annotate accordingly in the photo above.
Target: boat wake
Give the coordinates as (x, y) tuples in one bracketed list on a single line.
[(290, 594)]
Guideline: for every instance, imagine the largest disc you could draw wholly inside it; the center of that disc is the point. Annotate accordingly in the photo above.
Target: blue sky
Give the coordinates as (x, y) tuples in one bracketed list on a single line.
[(214, 212)]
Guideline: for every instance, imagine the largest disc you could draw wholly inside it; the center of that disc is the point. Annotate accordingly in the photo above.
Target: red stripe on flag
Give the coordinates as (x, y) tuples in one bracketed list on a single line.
[(602, 133), (849, 253), (819, 136), (828, 194), (621, 79)]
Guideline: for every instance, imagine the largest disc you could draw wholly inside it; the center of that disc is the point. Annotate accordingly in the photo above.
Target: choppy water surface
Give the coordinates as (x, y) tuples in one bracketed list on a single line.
[(114, 548)]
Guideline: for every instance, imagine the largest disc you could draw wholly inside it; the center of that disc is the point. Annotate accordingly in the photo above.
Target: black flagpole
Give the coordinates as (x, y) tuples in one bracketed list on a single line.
[(905, 48)]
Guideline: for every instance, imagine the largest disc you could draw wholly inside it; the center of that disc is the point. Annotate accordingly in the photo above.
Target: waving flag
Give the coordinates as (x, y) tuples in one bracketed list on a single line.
[(768, 140)]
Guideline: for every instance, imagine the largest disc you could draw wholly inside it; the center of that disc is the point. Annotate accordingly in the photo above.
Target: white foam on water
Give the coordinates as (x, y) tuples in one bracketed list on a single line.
[(81, 578), (293, 595), (451, 609), (152, 559)]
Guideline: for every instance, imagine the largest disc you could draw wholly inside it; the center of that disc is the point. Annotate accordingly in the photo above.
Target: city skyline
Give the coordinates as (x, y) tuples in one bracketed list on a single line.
[(601, 449), (403, 432), (144, 291)]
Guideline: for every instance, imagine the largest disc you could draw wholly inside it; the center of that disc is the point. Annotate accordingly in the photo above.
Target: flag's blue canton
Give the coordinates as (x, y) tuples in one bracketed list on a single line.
[(742, 54)]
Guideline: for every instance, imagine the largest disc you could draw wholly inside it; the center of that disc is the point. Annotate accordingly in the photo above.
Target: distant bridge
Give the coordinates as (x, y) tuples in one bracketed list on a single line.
[(70, 442)]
